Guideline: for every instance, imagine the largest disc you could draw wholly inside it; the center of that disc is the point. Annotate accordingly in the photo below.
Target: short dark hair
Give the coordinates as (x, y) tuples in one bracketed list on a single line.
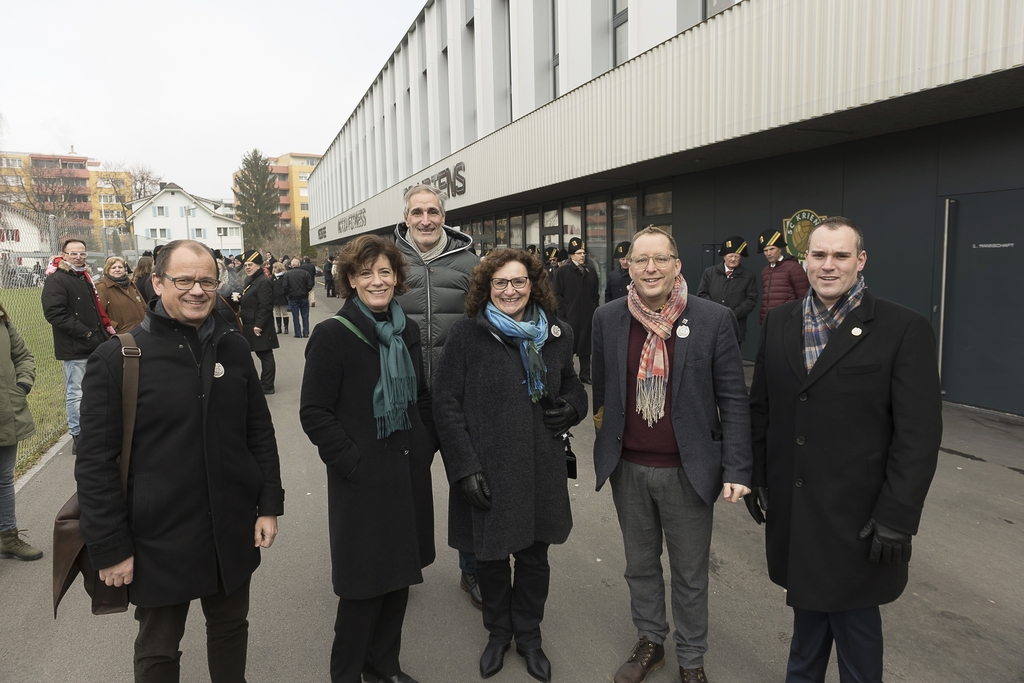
[(365, 250), (160, 268), (541, 292), (71, 240), (655, 230), (836, 222)]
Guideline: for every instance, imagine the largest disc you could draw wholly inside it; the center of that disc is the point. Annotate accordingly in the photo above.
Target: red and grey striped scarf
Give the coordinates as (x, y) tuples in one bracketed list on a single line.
[(652, 379)]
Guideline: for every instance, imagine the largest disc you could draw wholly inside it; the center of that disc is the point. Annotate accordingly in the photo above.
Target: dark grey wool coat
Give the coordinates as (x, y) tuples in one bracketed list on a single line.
[(257, 310), (487, 423), (379, 498), (578, 295)]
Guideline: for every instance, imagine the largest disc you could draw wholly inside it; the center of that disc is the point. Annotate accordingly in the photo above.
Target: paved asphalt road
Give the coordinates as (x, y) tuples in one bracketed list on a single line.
[(961, 618)]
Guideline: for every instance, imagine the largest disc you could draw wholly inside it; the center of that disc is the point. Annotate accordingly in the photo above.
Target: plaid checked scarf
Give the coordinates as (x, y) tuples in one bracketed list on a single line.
[(820, 322), (652, 379)]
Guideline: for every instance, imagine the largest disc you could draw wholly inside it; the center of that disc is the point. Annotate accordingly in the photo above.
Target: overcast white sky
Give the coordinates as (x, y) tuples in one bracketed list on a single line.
[(188, 87)]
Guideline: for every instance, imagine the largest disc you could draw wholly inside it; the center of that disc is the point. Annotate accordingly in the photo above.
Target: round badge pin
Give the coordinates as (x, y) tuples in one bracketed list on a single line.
[(682, 331), (856, 332), (218, 370), (556, 331)]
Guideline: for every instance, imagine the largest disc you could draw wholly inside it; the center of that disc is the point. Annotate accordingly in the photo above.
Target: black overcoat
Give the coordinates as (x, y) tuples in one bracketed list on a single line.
[(256, 309), (617, 285), (737, 293), (487, 423), (856, 438), (69, 305), (204, 462), (379, 495), (578, 293)]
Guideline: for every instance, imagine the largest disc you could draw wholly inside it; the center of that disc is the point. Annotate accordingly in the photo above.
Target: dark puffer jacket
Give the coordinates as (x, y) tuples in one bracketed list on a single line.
[(787, 281), (437, 291), (69, 305)]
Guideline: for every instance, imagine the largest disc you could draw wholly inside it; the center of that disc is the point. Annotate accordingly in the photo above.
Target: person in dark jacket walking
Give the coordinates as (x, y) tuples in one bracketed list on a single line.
[(298, 283), (578, 290), (72, 308), (551, 261), (280, 297), (205, 476), (329, 290), (618, 277), (501, 445), (440, 262), (783, 279), (846, 415), (256, 309), (730, 284), (365, 405), (308, 266)]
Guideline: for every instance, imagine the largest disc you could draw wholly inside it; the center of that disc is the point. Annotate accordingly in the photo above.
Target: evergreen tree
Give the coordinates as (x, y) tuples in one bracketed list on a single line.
[(305, 248), (256, 200)]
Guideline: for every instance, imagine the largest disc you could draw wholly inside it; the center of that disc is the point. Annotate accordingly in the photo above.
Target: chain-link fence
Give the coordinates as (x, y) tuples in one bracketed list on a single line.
[(28, 241)]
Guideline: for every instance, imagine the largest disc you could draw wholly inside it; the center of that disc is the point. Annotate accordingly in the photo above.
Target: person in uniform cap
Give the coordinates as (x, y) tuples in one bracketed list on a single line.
[(730, 284), (551, 260), (618, 278), (783, 279), (578, 290), (256, 309), (532, 249)]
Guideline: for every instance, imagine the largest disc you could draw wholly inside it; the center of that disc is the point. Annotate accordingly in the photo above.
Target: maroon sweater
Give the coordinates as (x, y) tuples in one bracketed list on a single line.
[(653, 446), (787, 281)]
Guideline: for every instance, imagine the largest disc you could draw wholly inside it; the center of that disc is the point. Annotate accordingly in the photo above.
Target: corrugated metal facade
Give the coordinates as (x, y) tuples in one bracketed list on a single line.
[(762, 64)]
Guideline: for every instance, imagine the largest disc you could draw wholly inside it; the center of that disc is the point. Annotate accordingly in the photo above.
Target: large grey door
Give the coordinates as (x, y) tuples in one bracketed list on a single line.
[(982, 362)]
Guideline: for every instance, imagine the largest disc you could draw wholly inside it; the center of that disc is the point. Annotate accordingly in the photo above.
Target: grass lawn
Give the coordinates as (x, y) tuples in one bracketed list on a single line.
[(46, 401)]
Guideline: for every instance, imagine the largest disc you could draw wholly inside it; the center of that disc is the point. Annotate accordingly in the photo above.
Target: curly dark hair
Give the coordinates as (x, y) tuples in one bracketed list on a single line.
[(479, 294), (364, 251)]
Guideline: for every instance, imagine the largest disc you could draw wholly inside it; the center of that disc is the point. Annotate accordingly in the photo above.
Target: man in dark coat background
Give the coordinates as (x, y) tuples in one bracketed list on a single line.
[(578, 290), (783, 279), (618, 277), (730, 284), (204, 488), (256, 308), (298, 283), (846, 422)]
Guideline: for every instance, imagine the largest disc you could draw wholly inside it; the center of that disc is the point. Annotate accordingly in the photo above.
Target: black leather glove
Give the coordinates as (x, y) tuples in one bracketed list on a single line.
[(757, 503), (888, 545), (476, 491), (561, 417)]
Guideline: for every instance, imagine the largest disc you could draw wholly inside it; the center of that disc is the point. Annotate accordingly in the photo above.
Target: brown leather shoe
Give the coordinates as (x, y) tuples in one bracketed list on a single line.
[(692, 675), (645, 658)]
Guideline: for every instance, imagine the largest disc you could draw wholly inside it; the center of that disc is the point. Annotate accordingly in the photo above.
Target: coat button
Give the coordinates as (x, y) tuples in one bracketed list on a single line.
[(802, 397), (405, 451), (618, 438), (799, 483), (800, 440)]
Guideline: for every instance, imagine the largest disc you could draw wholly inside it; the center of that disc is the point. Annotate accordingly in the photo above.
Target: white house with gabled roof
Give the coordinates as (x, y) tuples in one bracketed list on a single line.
[(175, 214)]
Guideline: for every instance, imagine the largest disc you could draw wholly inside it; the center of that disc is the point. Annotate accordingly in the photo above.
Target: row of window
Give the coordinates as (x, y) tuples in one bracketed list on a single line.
[(196, 233)]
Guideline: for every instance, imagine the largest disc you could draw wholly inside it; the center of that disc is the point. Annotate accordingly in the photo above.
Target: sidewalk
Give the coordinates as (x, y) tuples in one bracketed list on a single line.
[(958, 620)]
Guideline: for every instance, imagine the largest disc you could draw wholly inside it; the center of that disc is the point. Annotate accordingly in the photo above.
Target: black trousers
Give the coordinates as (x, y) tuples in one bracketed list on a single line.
[(368, 636), (858, 637), (515, 608), (157, 658), (585, 368), (268, 368)]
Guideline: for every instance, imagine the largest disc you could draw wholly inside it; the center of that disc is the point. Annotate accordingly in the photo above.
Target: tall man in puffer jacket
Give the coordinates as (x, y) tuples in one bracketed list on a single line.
[(440, 262)]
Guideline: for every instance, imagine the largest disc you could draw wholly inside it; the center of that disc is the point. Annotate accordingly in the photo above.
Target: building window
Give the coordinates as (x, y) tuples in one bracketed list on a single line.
[(7, 162), (160, 211), (620, 31), (303, 191), (157, 233), (111, 214), (107, 199), (303, 207), (12, 181), (303, 177), (199, 233), (658, 200)]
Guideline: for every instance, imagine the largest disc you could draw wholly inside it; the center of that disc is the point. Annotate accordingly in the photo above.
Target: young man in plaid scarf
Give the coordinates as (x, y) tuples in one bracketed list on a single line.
[(672, 418), (847, 421)]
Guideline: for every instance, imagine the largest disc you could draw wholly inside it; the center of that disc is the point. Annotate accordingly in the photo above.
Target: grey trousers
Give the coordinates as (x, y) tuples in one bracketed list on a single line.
[(653, 502)]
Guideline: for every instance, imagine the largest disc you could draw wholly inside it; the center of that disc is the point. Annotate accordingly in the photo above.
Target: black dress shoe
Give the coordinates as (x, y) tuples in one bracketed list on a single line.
[(467, 582), (400, 677), (537, 664), (492, 659)]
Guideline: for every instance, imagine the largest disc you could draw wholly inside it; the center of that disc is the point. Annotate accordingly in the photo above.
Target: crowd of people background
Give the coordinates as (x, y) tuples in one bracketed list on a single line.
[(435, 350)]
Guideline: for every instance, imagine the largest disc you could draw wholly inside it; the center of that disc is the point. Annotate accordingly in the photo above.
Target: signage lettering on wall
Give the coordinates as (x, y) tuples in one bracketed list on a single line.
[(797, 228), (351, 222), (448, 180), (322, 233), (994, 245)]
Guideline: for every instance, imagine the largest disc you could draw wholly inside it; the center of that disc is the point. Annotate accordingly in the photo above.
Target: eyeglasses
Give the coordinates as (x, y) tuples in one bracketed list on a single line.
[(187, 283), (501, 283), (77, 253), (660, 260)]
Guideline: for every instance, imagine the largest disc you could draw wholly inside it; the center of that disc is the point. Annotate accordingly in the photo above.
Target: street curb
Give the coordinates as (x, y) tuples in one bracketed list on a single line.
[(54, 449)]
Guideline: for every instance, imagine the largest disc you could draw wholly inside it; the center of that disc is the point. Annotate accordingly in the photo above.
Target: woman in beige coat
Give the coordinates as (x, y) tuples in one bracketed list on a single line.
[(120, 297), (17, 374)]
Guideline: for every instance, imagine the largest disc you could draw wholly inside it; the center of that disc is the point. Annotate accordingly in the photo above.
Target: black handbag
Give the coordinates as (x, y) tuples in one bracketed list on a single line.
[(70, 556)]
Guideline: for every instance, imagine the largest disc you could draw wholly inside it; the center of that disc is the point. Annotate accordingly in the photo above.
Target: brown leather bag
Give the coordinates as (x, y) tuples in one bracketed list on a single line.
[(70, 556)]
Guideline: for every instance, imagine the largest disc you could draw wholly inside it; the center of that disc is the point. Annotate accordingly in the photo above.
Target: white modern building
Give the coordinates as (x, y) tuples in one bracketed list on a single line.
[(543, 119), (175, 214)]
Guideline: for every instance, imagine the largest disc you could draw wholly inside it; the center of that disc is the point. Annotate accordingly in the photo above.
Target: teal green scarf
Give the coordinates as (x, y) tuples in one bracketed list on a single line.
[(396, 388)]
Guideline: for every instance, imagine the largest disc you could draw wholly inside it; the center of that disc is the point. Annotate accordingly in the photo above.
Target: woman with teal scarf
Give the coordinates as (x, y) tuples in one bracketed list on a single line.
[(366, 408), (505, 392)]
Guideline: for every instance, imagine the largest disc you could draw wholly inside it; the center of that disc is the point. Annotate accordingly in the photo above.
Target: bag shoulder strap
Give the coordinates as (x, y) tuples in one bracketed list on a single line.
[(129, 401), (355, 330)]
